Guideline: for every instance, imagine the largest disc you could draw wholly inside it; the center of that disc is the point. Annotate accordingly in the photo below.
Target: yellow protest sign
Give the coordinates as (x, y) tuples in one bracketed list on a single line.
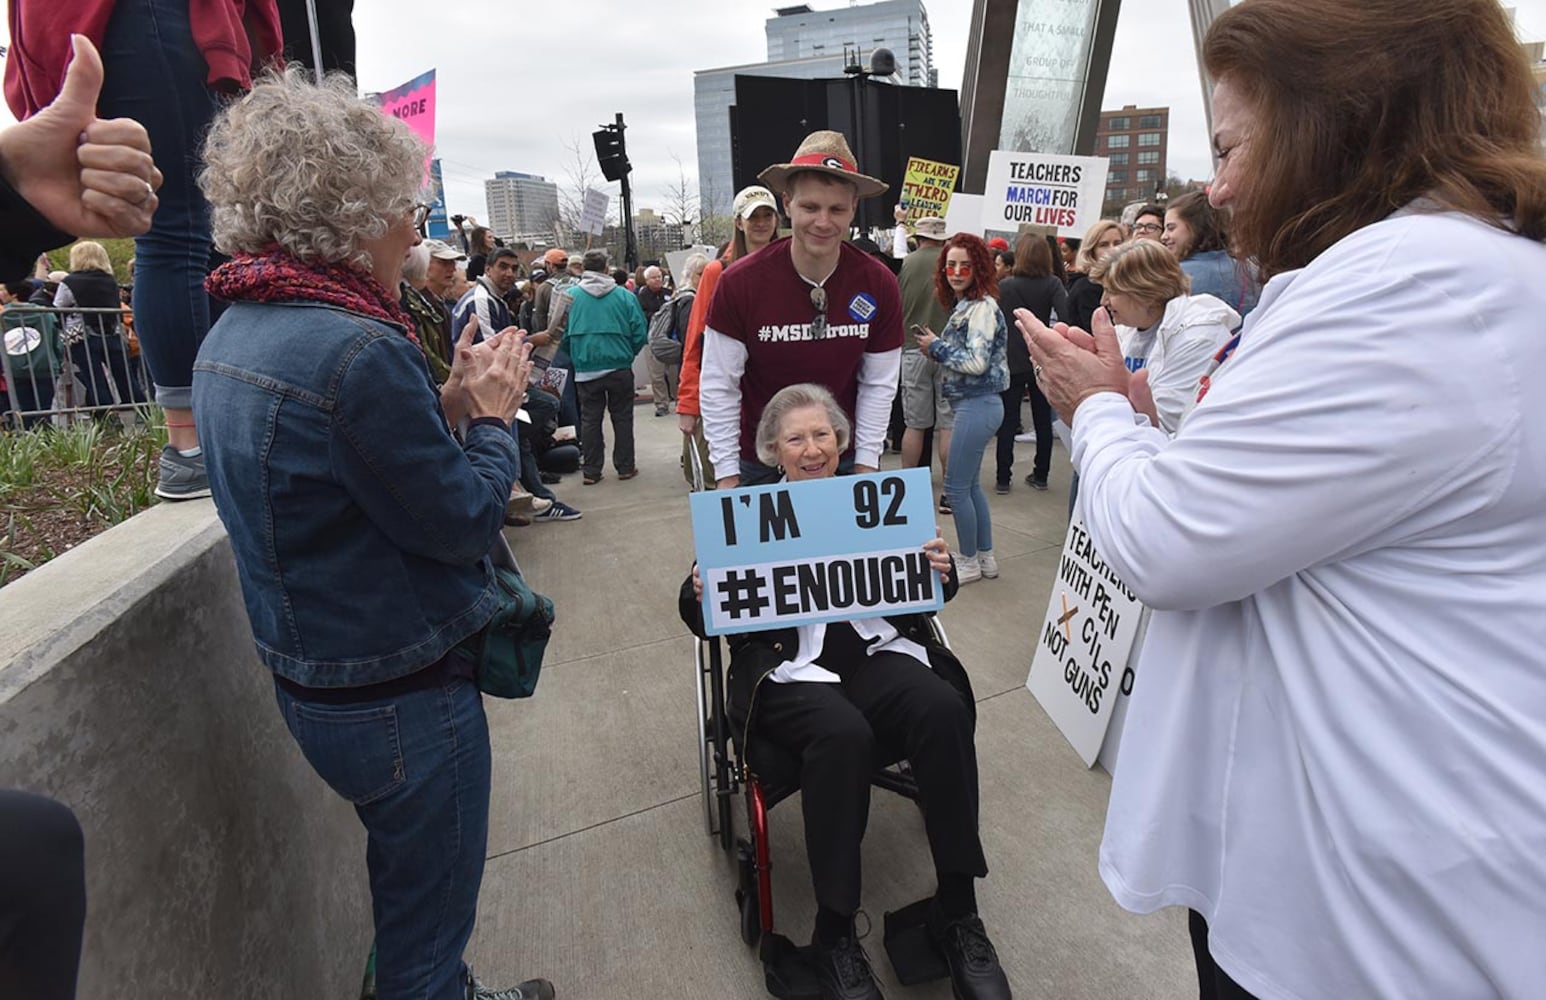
[(926, 187)]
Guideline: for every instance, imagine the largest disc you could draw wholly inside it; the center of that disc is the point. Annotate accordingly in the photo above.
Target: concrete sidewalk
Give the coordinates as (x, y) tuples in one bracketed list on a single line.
[(600, 875)]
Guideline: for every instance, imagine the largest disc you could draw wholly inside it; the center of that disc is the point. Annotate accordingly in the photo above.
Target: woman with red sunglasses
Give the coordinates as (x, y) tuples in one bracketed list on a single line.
[(973, 358)]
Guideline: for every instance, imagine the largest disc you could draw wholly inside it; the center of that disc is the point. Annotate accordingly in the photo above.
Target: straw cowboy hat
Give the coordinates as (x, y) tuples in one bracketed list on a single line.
[(824, 152)]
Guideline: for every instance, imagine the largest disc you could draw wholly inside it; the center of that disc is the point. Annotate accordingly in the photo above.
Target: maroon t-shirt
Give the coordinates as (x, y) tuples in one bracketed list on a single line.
[(764, 303)]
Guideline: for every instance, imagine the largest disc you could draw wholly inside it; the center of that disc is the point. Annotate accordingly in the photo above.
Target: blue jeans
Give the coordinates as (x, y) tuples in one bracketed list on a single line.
[(977, 420), (416, 767), (155, 75)]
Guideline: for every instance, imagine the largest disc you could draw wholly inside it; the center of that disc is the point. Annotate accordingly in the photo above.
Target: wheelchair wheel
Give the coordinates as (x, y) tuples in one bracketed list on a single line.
[(751, 923), (705, 745)]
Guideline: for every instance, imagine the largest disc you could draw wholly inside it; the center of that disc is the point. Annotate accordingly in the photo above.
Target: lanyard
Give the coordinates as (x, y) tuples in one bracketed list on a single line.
[(1223, 355)]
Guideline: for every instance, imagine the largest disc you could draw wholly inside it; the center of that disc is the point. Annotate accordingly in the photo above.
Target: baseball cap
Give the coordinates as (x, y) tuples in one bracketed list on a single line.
[(749, 199), (441, 250), (931, 226), (576, 258), (998, 243), (538, 275), (557, 257)]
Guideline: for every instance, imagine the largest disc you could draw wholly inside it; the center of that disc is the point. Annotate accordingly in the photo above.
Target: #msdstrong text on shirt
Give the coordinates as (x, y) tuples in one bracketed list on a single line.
[(796, 332)]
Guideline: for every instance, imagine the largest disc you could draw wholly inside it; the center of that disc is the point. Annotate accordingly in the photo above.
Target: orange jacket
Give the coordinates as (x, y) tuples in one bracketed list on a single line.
[(692, 347)]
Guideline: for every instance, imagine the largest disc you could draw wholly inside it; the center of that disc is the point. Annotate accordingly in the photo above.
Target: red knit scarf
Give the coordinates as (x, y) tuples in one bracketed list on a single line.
[(278, 276)]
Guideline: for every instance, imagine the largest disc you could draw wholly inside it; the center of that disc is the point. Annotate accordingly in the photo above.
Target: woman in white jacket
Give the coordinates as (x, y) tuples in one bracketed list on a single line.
[(1164, 331), (1335, 753)]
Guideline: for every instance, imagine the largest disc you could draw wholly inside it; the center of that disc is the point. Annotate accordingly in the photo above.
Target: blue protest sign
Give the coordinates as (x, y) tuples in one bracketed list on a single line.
[(815, 551)]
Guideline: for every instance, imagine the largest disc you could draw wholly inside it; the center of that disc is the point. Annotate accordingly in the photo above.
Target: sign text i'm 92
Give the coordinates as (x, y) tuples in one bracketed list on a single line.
[(815, 551)]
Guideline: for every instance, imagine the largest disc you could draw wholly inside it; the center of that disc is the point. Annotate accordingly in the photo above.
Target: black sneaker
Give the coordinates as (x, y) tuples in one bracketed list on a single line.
[(843, 971), (560, 511), (551, 478), (944, 505), (1036, 482), (975, 973), (1002, 489)]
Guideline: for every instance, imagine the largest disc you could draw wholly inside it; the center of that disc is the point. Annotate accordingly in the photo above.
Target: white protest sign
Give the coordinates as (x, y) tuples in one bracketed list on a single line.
[(1043, 189), (964, 214), (1082, 653), (593, 217), (676, 260), (821, 550)]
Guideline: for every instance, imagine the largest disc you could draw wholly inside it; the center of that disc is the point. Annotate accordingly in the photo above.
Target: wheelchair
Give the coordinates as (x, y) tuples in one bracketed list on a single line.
[(725, 774)]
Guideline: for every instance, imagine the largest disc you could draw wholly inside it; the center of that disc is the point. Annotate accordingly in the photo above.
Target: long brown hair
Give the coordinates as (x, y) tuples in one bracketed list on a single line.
[(1033, 257), (1361, 108), (1205, 222)]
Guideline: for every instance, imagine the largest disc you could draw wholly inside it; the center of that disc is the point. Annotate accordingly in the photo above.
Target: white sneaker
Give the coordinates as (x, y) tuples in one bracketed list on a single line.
[(987, 564), (1026, 438), (968, 570)]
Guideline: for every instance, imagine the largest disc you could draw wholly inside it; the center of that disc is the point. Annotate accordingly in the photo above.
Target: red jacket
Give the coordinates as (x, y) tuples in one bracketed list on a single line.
[(237, 38)]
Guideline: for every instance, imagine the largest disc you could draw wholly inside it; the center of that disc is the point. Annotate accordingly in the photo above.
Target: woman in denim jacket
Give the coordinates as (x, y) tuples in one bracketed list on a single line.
[(360, 526), (973, 358)]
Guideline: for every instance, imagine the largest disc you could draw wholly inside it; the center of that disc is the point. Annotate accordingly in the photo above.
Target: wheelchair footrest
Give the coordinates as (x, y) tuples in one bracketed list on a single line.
[(787, 970), (913, 956)]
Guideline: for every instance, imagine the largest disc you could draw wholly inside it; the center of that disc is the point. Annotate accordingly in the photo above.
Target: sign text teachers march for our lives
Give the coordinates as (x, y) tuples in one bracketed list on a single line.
[(1043, 190), (815, 551)]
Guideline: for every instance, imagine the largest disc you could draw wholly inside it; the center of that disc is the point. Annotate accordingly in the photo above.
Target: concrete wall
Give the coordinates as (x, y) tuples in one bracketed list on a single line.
[(217, 862)]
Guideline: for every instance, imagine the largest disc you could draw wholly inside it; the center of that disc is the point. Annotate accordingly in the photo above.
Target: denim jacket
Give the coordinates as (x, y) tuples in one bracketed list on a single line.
[(361, 528), (972, 350)]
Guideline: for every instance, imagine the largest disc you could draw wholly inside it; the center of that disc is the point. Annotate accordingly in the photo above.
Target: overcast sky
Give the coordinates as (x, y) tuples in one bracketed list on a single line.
[(518, 81)]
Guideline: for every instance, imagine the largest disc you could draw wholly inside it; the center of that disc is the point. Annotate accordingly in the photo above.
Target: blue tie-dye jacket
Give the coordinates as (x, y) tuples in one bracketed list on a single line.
[(972, 351)]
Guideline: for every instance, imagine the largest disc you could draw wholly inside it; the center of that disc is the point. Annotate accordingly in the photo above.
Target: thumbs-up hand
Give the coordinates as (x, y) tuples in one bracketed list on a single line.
[(86, 176)]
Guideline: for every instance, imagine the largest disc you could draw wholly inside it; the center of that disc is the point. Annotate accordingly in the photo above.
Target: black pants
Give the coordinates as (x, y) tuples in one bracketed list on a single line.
[(90, 354), (1041, 421), (611, 394), (42, 897), (1213, 983), (335, 30), (885, 702)]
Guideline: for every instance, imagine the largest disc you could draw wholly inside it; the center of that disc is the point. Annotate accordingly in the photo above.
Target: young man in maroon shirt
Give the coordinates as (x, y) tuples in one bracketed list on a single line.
[(809, 308)]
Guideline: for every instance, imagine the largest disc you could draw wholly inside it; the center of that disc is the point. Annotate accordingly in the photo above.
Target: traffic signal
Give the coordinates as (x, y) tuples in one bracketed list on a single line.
[(610, 152)]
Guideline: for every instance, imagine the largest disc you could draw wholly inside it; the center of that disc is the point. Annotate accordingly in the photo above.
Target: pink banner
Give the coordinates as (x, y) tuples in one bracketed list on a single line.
[(413, 104)]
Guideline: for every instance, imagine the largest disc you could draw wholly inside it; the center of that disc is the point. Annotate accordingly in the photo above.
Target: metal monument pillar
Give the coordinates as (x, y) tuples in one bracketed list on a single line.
[(1036, 75)]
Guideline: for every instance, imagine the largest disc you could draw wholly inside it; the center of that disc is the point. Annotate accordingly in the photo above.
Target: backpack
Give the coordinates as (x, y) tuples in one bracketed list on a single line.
[(667, 328)]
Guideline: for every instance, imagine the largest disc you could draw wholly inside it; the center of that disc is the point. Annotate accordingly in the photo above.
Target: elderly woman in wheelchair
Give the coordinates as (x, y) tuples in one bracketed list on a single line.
[(847, 697)]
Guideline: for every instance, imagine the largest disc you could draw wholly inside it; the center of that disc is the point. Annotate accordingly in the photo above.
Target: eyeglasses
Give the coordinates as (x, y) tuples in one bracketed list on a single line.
[(420, 215), (819, 321), (958, 267), (1148, 227)]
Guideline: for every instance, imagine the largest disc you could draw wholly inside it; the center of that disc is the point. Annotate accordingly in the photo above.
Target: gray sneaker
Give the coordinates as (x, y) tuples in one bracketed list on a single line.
[(532, 989), (180, 477)]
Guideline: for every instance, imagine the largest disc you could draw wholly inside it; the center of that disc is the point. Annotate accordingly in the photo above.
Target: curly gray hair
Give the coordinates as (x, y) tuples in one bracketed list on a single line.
[(784, 402), (310, 167)]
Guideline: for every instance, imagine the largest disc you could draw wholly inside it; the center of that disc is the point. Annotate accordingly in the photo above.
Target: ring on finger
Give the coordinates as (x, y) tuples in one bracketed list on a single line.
[(1036, 372), (150, 192)]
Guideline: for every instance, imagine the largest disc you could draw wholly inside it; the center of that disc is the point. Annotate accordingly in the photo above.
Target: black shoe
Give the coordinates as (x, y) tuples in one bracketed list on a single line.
[(974, 970), (551, 478), (944, 504), (844, 972), (1036, 482), (1002, 489)]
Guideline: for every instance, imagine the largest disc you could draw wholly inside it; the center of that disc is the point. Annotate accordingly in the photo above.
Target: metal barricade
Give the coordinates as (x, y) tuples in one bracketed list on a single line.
[(58, 377)]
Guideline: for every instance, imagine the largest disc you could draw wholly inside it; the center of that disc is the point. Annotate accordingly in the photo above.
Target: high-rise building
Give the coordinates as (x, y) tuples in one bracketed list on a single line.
[(899, 25), (1135, 140), (521, 204), (806, 44)]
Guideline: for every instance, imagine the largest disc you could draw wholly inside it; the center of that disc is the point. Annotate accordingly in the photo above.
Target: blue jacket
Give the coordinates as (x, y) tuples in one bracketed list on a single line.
[(1216, 273), (972, 350), (361, 528)]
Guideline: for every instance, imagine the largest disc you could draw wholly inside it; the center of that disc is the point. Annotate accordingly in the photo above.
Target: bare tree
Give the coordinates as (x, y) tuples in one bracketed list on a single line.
[(682, 204), (580, 173), (714, 227)]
